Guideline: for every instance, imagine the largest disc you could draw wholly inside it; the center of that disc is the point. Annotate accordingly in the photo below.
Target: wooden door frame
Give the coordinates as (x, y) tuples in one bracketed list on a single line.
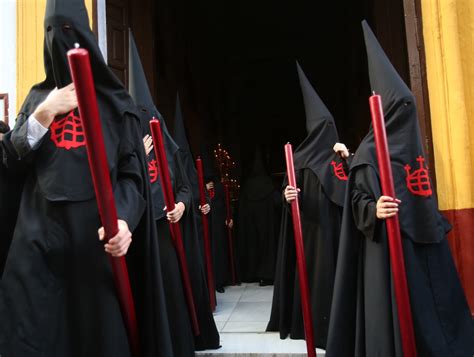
[(418, 76)]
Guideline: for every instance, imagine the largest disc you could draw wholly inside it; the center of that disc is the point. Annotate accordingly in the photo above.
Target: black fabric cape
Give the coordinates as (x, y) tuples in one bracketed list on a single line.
[(183, 342), (11, 185), (364, 319), (322, 190), (57, 296), (209, 337), (217, 218), (257, 237), (191, 172)]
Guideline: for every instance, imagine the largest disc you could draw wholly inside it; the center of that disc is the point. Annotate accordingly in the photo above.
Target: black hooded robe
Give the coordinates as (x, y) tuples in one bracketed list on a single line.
[(209, 336), (57, 296), (257, 238), (218, 228), (11, 184), (322, 191), (178, 316), (364, 320)]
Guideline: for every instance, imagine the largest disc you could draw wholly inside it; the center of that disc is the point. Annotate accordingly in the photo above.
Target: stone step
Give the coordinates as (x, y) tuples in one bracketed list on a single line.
[(258, 344)]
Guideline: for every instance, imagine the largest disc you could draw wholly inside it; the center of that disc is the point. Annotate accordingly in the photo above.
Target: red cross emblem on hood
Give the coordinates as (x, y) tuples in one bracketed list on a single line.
[(418, 181), (338, 170), (153, 170)]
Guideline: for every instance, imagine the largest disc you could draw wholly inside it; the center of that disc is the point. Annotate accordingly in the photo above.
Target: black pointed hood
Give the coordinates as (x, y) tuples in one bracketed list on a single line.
[(316, 151), (184, 149), (420, 219), (140, 92), (62, 166), (317, 114), (179, 130), (66, 23)]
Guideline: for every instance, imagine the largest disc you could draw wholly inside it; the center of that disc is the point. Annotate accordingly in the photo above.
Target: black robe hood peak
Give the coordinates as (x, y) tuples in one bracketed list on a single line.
[(62, 165), (316, 151), (140, 92), (420, 219), (186, 154)]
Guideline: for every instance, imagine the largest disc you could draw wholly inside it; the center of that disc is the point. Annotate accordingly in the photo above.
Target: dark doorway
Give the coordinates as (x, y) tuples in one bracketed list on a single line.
[(234, 65)]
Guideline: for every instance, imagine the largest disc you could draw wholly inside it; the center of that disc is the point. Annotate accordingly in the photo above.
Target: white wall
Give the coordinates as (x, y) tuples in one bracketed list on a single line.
[(102, 27), (8, 54)]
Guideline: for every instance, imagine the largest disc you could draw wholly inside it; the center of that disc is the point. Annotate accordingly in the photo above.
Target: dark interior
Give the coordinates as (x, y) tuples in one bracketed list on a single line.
[(233, 64)]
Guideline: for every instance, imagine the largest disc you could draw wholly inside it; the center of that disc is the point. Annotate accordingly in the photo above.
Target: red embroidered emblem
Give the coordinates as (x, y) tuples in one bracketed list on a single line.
[(153, 171), (339, 171), (68, 133), (418, 182), (212, 193)]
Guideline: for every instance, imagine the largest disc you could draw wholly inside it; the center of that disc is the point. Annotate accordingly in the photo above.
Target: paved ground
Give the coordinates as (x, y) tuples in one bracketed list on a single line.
[(241, 316)]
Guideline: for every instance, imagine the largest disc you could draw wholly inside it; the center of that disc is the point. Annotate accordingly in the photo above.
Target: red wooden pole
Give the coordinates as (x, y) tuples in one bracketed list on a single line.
[(175, 229), (81, 72), (207, 242), (397, 260), (230, 236), (300, 256)]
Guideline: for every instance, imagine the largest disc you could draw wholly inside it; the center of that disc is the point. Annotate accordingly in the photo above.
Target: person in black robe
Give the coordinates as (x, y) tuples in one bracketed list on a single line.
[(321, 182), (209, 337), (364, 319), (184, 343), (217, 222), (10, 191), (57, 294), (191, 172), (257, 238)]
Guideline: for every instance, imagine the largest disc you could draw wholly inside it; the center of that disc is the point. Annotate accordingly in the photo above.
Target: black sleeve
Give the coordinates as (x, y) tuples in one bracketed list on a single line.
[(17, 152), (363, 197), (182, 186), (130, 188)]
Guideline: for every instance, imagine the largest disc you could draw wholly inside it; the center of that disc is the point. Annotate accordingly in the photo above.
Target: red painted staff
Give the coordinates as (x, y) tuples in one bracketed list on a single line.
[(175, 229), (230, 236), (397, 261), (207, 240), (79, 64), (300, 256)]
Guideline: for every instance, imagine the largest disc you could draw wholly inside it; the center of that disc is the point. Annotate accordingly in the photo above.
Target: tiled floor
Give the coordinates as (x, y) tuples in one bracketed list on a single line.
[(241, 316)]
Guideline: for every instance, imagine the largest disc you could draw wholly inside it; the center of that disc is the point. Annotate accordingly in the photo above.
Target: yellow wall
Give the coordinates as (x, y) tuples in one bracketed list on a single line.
[(448, 29), (30, 35)]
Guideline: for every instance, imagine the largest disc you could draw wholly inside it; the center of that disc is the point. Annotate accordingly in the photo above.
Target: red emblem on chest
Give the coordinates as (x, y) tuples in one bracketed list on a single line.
[(212, 193), (339, 171), (153, 171), (68, 133), (418, 181)]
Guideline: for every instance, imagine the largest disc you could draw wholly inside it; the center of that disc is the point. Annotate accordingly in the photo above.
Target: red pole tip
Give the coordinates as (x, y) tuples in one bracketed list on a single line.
[(74, 52)]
